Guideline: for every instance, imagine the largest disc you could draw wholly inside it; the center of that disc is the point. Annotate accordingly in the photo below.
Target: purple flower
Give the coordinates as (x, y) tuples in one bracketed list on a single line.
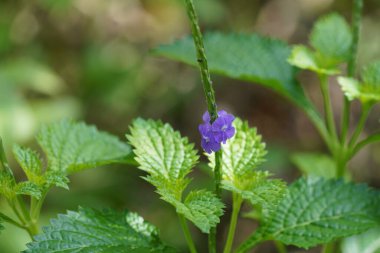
[(216, 133), (222, 127), (209, 144)]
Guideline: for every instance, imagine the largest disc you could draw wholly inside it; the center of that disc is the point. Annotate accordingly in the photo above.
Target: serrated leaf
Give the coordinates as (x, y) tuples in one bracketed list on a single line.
[(89, 230), (28, 188), (245, 57), (332, 37), (56, 178), (368, 242), (72, 147), (367, 91), (350, 87), (317, 211), (203, 208), (168, 158), (7, 184), (242, 154), (29, 161), (259, 190), (160, 150), (313, 164), (302, 57)]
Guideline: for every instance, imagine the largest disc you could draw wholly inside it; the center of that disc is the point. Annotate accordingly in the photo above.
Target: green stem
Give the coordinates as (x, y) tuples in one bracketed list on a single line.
[(187, 233), (328, 248), (363, 143), (363, 118), (253, 240), (11, 221), (236, 204), (280, 247), (329, 115), (202, 60), (356, 27), (210, 98)]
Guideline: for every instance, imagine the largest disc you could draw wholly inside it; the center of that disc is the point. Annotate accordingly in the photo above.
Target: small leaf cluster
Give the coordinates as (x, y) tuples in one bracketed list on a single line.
[(168, 159), (242, 155), (69, 147), (331, 39), (367, 91)]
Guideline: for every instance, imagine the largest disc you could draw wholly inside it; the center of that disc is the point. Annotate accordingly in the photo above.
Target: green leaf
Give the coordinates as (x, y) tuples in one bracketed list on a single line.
[(302, 57), (71, 147), (332, 38), (29, 161), (367, 91), (160, 150), (368, 242), (317, 211), (168, 158), (203, 208), (350, 87), (56, 178), (7, 184), (313, 164), (95, 231), (242, 154), (28, 188), (248, 57)]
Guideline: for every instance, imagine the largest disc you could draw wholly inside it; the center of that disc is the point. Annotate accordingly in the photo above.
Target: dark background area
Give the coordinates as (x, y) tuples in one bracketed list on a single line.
[(90, 60)]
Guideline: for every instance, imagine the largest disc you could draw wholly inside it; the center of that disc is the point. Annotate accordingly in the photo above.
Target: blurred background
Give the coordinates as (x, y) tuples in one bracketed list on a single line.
[(90, 60)]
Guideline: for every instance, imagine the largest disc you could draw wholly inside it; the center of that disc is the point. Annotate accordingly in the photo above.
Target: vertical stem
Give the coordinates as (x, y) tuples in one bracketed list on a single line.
[(210, 99), (328, 248), (236, 204), (328, 108), (202, 60), (363, 118), (187, 234), (356, 26), (280, 247)]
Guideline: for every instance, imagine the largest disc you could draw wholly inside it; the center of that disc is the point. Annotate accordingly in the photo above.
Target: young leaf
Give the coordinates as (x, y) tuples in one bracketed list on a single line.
[(203, 208), (368, 242), (303, 58), (332, 37), (160, 150), (241, 155), (367, 91), (29, 161), (28, 188), (248, 57), (313, 164), (168, 158), (317, 211), (89, 230), (7, 184), (72, 147)]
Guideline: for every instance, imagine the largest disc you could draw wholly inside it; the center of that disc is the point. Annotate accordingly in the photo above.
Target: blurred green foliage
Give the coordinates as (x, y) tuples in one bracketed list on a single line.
[(90, 59)]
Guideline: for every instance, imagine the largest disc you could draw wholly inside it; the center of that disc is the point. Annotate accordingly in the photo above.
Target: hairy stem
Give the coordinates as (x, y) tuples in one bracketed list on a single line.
[(187, 234), (210, 98), (202, 60), (236, 204)]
